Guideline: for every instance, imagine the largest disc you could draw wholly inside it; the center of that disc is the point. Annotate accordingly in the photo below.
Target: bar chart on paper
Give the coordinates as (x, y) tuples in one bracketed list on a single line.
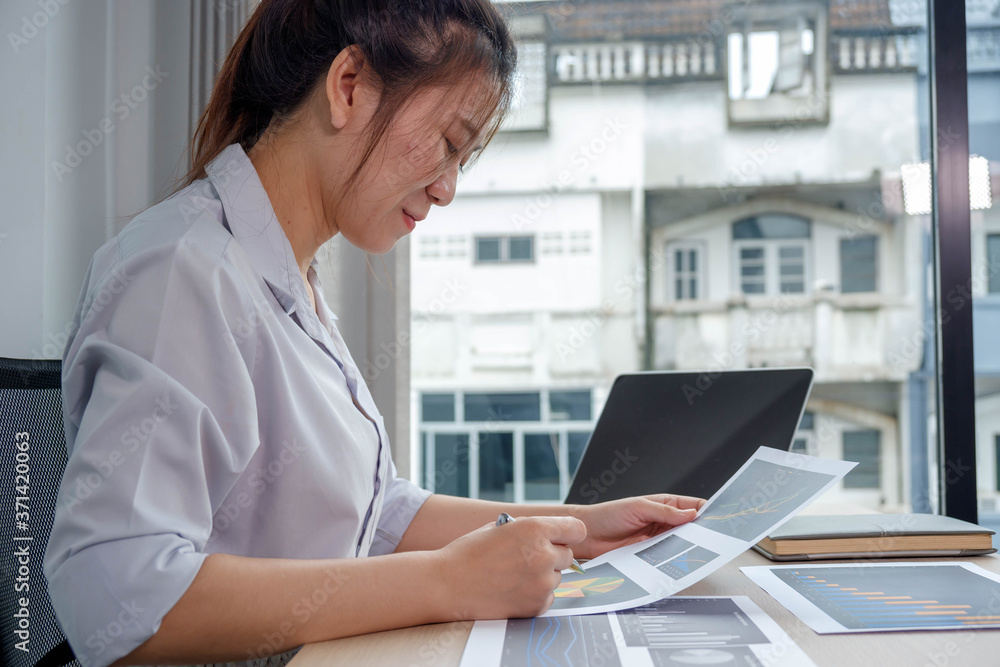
[(895, 598)]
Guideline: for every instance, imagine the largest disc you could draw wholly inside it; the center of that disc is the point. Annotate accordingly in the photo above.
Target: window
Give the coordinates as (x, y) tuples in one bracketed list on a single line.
[(996, 460), (993, 262), (488, 249), (450, 455), (541, 466), (577, 444), (752, 277), (804, 441), (437, 407), (769, 258), (857, 264), (505, 249), (569, 405), (496, 465), (502, 407), (531, 89), (792, 269), (863, 447), (503, 445), (772, 268), (521, 249), (684, 281), (777, 64)]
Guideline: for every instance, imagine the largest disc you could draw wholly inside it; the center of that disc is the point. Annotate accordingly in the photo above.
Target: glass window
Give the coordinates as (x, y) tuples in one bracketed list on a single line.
[(996, 461), (772, 226), (522, 248), (684, 278), (496, 466), (577, 443), (488, 249), (529, 109), (993, 262), (806, 423), (500, 407), (863, 447), (640, 263), (774, 65), (437, 407), (541, 466), (451, 464), (792, 268), (752, 278), (505, 249), (569, 405), (857, 264)]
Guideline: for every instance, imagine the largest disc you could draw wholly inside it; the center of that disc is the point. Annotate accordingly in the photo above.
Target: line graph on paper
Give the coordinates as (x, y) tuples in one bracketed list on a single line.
[(763, 494)]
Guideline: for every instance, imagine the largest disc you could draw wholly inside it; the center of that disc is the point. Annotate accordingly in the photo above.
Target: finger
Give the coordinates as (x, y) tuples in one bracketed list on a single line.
[(563, 530), (680, 502), (565, 558), (664, 513)]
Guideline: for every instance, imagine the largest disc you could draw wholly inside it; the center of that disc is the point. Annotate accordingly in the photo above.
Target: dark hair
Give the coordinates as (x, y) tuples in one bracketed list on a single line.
[(288, 45)]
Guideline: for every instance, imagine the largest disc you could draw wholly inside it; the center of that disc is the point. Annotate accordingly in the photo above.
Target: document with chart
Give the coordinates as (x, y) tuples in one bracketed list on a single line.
[(882, 597), (768, 490), (674, 631)]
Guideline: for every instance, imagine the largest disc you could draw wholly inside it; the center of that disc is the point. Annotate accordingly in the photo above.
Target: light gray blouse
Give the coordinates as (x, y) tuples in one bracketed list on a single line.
[(208, 409)]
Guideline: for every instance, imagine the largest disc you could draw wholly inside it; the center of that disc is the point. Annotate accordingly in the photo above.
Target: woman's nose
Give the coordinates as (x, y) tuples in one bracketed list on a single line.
[(442, 190)]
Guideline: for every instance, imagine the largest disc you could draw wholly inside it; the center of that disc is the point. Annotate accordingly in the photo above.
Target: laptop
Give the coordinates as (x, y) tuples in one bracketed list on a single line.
[(686, 432)]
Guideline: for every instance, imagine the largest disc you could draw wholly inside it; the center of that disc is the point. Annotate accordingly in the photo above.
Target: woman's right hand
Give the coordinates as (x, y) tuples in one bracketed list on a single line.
[(509, 571)]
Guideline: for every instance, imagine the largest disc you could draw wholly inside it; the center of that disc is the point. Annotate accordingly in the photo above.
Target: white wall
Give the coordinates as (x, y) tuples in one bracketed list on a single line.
[(873, 125)]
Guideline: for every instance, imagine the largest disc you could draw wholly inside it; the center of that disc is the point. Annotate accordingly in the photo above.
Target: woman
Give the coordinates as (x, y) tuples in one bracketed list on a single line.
[(229, 472)]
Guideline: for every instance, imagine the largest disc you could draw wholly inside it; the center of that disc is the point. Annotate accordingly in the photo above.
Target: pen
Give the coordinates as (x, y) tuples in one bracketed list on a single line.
[(506, 518)]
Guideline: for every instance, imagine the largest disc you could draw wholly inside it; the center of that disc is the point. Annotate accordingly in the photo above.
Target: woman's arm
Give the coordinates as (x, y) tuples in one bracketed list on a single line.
[(239, 608), (442, 519)]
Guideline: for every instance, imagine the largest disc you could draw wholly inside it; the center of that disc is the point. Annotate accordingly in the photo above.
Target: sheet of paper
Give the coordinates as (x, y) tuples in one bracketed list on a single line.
[(674, 631), (768, 490), (883, 597)]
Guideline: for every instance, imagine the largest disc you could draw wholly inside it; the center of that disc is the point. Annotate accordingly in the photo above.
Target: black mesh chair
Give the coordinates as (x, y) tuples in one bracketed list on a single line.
[(32, 460)]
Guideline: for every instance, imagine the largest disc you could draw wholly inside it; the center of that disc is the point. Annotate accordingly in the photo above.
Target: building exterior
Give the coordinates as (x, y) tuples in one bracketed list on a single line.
[(693, 185)]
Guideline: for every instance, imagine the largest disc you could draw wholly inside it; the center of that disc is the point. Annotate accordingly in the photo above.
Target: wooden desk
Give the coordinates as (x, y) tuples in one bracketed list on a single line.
[(441, 645)]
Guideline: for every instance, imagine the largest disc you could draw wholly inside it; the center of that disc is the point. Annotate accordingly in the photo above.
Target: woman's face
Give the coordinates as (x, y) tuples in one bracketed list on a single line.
[(414, 167)]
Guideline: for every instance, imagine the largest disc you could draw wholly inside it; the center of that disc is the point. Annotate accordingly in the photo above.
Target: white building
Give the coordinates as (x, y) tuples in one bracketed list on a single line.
[(679, 191)]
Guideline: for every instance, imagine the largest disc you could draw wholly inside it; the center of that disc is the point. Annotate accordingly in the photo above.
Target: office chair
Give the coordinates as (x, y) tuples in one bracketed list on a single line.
[(32, 460)]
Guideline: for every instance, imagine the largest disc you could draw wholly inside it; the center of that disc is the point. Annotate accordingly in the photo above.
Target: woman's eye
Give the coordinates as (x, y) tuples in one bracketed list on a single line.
[(453, 151)]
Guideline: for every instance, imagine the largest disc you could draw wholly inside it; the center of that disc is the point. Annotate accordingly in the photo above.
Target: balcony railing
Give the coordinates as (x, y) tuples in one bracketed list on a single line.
[(873, 53), (635, 61), (701, 59), (844, 337)]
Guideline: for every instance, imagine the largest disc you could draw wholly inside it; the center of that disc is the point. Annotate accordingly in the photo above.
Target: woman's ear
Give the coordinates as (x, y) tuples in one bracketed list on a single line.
[(342, 86)]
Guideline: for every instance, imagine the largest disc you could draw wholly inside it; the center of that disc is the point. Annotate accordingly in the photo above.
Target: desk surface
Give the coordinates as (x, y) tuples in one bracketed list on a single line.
[(442, 644)]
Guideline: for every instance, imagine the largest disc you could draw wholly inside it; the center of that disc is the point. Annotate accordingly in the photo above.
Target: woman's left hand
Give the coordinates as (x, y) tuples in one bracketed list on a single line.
[(617, 523)]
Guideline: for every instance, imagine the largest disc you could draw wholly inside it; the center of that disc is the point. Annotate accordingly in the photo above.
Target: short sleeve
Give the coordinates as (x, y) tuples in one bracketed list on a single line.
[(403, 499), (160, 418)]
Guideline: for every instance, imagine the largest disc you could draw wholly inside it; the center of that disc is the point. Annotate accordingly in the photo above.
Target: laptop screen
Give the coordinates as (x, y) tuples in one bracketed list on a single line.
[(686, 433)]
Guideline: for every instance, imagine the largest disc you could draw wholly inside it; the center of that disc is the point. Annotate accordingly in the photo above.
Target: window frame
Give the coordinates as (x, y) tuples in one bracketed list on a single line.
[(699, 274), (772, 265), (875, 262), (564, 429), (504, 243)]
